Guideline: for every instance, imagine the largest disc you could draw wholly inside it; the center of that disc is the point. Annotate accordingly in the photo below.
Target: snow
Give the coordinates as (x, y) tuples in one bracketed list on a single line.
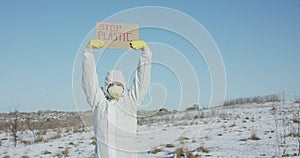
[(216, 132), (77, 144)]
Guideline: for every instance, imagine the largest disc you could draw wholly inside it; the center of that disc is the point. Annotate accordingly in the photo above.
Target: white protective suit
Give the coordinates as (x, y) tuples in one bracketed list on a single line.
[(115, 120)]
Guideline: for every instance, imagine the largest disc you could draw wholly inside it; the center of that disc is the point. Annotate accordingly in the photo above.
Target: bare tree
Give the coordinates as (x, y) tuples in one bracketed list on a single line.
[(13, 126), (298, 113)]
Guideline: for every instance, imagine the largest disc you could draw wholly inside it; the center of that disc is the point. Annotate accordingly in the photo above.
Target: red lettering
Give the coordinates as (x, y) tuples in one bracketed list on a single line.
[(127, 37), (108, 27), (100, 27), (117, 37), (123, 34), (112, 32), (100, 34), (109, 37), (112, 28), (118, 28)]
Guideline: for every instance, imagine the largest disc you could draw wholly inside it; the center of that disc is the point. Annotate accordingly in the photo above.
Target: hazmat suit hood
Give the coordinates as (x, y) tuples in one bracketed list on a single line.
[(113, 76)]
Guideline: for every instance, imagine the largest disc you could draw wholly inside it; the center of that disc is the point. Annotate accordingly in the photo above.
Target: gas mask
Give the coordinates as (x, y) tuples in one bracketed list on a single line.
[(115, 90)]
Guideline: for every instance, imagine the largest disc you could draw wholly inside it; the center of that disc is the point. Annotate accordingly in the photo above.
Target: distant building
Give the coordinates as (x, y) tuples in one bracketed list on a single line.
[(163, 111), (195, 107)]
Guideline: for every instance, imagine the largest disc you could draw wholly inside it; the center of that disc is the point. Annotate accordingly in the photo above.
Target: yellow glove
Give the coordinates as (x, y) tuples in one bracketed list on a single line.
[(96, 44), (140, 44)]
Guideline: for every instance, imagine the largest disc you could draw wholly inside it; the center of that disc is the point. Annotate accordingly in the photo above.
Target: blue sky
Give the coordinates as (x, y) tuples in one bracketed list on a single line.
[(258, 40)]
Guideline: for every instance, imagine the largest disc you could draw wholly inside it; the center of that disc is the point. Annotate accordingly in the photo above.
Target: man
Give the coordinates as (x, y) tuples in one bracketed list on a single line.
[(114, 107)]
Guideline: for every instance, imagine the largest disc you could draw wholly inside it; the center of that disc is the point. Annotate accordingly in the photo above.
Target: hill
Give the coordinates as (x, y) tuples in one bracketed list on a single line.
[(249, 130)]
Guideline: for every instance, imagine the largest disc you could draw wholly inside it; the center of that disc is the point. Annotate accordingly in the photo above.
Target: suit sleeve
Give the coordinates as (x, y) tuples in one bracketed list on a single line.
[(142, 77), (90, 83)]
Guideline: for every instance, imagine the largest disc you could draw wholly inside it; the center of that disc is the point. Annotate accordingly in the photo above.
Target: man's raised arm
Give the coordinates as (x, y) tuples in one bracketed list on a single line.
[(90, 82), (142, 77)]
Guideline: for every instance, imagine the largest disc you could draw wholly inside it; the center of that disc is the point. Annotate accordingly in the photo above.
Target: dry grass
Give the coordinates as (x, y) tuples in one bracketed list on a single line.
[(66, 152), (294, 134), (71, 143), (156, 150), (57, 136), (296, 120), (183, 138), (40, 139), (254, 137), (202, 149), (170, 145), (233, 125), (94, 140), (189, 155), (37, 121), (179, 152), (46, 152)]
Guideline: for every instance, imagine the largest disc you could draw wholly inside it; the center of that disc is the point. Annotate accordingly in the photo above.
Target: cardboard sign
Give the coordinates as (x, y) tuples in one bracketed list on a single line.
[(116, 35)]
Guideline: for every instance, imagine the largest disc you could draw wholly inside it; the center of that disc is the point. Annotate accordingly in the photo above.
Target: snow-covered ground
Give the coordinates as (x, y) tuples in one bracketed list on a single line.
[(264, 130)]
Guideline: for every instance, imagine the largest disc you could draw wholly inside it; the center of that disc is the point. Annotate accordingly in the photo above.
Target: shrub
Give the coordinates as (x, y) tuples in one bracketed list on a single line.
[(233, 125), (188, 154), (66, 152), (296, 120), (170, 145), (294, 134), (202, 149), (254, 137), (156, 150), (94, 140), (184, 138), (56, 136), (71, 143), (46, 152), (179, 152)]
